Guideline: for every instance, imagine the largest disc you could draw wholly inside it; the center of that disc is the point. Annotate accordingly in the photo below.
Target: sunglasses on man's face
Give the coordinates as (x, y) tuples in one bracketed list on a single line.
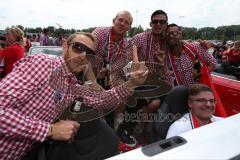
[(79, 47), (155, 21), (174, 33)]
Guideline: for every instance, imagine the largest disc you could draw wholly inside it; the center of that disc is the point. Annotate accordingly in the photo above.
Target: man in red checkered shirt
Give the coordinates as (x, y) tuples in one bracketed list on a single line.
[(112, 47), (151, 46), (32, 96), (115, 51), (181, 56)]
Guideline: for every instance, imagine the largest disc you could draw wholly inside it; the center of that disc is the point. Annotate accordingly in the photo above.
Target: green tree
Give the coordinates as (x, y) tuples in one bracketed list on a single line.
[(189, 33), (135, 30), (89, 30)]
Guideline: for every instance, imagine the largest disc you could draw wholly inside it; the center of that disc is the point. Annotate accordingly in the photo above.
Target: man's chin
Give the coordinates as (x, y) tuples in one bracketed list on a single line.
[(171, 43), (77, 70), (157, 33), (121, 32)]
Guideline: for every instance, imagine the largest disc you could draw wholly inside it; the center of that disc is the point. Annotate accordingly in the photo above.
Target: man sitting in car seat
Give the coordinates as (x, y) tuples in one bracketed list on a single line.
[(202, 105)]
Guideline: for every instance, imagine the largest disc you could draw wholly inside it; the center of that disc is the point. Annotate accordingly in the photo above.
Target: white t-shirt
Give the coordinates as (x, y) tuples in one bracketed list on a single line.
[(184, 124)]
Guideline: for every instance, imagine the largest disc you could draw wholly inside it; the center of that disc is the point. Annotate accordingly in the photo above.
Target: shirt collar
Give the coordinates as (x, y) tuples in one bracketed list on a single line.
[(65, 70)]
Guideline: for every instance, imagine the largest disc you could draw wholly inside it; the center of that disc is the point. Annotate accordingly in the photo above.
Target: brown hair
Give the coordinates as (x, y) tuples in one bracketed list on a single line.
[(72, 36), (15, 31), (195, 89)]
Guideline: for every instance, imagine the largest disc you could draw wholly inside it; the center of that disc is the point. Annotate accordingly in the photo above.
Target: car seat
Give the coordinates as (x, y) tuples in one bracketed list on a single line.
[(174, 106), (95, 140)]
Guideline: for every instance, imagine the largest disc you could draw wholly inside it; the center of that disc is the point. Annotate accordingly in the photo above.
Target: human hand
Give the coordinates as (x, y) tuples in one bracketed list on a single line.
[(138, 72), (64, 130), (94, 86), (204, 44), (161, 57), (115, 80)]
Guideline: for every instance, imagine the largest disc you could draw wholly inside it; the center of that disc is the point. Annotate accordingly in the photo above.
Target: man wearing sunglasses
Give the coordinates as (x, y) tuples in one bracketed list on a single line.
[(181, 56), (149, 43), (151, 46), (190, 62), (40, 87), (202, 104), (114, 51)]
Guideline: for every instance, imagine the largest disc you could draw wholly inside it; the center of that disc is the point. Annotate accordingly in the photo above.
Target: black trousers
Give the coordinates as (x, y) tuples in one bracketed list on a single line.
[(94, 141), (38, 152)]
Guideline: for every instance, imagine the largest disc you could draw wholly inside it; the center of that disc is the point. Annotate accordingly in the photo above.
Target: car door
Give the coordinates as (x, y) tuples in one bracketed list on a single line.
[(229, 92)]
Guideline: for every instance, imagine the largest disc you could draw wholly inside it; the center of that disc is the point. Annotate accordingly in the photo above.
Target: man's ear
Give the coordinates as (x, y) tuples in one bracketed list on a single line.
[(65, 46), (189, 104), (150, 24)]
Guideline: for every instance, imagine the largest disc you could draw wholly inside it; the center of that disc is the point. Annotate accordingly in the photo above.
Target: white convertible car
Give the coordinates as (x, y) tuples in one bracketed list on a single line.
[(219, 140)]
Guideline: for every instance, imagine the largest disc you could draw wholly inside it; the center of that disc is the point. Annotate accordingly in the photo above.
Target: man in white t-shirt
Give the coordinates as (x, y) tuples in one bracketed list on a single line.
[(202, 105)]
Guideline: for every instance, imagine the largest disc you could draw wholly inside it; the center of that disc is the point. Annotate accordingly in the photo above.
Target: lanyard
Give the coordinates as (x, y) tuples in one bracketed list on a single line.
[(191, 52), (194, 121), (149, 47), (112, 46)]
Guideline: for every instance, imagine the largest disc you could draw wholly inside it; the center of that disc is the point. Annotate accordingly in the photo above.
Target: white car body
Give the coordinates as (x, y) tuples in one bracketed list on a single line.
[(219, 140)]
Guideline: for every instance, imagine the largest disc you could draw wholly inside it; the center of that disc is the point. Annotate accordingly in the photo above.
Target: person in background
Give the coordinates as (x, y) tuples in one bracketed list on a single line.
[(41, 87), (60, 39), (2, 44), (233, 55), (2, 73), (34, 38), (46, 40), (201, 103), (27, 44), (14, 50)]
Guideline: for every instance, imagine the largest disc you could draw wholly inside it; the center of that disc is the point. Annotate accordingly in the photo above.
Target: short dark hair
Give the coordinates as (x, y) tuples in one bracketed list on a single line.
[(157, 12), (2, 37), (2, 44), (45, 30), (174, 25), (195, 89)]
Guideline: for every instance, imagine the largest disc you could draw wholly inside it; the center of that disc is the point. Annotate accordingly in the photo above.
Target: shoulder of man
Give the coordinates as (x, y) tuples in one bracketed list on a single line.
[(36, 59), (99, 30), (215, 118), (141, 35)]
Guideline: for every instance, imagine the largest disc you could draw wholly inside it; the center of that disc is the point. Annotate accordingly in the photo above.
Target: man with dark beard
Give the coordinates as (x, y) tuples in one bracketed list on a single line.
[(38, 90), (190, 62), (183, 56)]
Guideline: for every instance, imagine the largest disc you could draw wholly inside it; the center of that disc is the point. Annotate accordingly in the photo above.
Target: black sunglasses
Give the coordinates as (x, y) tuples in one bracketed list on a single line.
[(174, 33), (159, 21), (79, 47)]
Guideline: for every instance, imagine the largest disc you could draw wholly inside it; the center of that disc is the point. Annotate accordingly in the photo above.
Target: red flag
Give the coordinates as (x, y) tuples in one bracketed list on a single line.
[(205, 78)]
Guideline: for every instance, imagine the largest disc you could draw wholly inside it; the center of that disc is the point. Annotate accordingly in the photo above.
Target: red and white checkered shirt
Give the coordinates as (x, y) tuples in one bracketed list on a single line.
[(30, 101), (118, 60), (142, 40), (184, 64)]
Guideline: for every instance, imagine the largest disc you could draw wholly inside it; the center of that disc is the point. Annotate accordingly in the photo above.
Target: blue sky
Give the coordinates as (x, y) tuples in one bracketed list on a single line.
[(80, 14)]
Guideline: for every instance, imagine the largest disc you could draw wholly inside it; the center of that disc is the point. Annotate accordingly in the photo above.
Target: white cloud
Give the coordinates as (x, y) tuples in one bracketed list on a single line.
[(81, 14)]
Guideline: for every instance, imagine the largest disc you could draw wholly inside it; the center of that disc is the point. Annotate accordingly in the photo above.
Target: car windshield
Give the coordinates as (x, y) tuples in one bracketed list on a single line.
[(54, 51)]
